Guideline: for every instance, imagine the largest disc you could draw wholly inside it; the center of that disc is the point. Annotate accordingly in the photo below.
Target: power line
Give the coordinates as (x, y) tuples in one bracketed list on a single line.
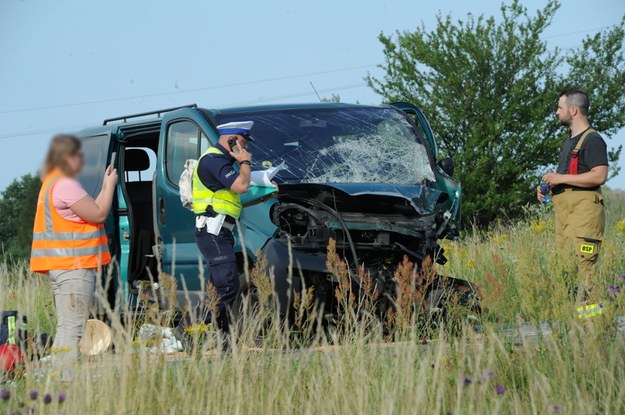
[(276, 98), (184, 91), (294, 95), (259, 101), (578, 32), (43, 131)]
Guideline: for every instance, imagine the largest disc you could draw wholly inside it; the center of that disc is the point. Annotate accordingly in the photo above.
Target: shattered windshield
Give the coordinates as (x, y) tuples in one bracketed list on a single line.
[(337, 145)]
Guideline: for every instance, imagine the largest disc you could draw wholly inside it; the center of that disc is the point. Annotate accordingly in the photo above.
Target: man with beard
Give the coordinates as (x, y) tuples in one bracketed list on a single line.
[(576, 186)]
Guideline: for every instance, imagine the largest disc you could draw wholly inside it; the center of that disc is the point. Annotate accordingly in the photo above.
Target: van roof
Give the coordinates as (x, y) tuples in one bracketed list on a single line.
[(149, 119), (273, 107)]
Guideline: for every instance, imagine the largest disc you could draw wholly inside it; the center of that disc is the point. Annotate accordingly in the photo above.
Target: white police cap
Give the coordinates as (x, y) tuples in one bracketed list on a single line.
[(236, 127)]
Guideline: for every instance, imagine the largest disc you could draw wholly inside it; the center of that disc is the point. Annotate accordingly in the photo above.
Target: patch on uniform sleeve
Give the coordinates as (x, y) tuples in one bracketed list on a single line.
[(587, 249)]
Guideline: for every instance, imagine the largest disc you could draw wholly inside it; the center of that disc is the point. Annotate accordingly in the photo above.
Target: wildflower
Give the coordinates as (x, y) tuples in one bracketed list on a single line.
[(500, 389), (555, 408), (500, 239), (466, 381), (62, 397), (47, 398), (538, 226), (614, 289), (33, 394), (620, 225), (470, 264), (5, 395), (622, 277)]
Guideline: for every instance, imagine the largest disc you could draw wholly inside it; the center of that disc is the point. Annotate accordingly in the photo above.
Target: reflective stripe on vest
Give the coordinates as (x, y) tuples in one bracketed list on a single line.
[(59, 243), (589, 311), (223, 201), (574, 161)]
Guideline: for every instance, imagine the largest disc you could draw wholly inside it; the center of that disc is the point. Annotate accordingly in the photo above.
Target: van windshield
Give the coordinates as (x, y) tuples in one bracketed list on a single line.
[(337, 145)]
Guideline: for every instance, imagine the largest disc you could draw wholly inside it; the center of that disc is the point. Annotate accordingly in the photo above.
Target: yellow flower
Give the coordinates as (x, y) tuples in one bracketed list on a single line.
[(538, 226), (470, 264), (500, 239), (620, 226), (198, 328)]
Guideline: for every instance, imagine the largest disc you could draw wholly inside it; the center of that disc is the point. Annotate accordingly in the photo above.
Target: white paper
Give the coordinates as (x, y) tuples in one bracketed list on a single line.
[(264, 177)]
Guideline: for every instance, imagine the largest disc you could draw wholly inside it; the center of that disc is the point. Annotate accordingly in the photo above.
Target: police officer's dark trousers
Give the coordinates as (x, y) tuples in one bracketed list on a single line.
[(218, 252)]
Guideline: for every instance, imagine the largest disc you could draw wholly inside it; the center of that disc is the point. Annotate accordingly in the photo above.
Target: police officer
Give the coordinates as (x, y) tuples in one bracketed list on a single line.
[(217, 204), (576, 186)]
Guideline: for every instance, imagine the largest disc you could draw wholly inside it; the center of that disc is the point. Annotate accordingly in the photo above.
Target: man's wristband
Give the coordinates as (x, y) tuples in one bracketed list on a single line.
[(249, 163)]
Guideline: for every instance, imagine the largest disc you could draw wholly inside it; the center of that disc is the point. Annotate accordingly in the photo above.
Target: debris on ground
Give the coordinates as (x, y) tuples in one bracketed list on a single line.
[(159, 339)]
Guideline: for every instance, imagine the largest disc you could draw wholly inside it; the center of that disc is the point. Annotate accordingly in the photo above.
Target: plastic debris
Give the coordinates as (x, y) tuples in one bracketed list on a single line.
[(159, 339)]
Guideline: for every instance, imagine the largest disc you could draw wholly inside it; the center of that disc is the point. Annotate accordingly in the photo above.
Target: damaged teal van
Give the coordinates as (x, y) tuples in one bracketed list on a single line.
[(364, 176)]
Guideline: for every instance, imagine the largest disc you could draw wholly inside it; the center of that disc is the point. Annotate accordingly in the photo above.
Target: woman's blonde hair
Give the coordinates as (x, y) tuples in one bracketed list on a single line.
[(61, 146)]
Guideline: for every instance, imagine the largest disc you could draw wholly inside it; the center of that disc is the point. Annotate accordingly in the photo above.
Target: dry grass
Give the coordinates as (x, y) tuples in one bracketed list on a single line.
[(577, 370)]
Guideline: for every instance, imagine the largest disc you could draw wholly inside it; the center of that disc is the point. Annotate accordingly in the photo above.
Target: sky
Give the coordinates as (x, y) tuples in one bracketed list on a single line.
[(69, 64)]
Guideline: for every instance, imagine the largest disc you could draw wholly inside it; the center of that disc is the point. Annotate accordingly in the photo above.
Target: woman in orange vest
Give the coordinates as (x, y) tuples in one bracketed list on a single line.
[(69, 243)]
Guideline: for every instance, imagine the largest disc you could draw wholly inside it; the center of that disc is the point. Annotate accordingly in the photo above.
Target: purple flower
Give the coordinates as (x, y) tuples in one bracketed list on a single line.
[(33, 394), (489, 374), (466, 381), (5, 395), (614, 289), (622, 277), (47, 398), (500, 389), (62, 396), (555, 408)]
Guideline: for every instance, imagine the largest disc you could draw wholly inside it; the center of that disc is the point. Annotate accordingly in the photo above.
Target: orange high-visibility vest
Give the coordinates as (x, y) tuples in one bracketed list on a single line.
[(62, 244)]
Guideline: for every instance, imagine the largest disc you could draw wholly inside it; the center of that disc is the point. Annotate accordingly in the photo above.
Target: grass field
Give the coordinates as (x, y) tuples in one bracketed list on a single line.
[(578, 370)]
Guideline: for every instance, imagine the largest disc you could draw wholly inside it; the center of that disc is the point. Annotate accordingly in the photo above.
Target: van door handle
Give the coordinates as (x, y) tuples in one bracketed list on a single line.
[(161, 210)]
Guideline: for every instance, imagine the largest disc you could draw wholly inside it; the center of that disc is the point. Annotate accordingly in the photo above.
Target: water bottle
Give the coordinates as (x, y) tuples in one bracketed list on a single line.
[(546, 191)]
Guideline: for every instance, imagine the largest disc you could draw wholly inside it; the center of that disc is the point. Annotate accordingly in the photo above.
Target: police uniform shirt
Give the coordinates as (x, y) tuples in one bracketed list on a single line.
[(216, 171), (592, 154)]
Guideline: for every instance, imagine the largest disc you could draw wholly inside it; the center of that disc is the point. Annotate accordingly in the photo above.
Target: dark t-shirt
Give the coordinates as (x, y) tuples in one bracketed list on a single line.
[(592, 154), (216, 171)]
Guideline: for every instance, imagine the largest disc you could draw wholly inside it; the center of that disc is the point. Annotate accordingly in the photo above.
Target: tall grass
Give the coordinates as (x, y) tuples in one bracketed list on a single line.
[(576, 369)]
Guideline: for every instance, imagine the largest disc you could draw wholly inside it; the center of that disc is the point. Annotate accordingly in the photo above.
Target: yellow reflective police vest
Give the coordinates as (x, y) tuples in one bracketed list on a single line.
[(223, 201)]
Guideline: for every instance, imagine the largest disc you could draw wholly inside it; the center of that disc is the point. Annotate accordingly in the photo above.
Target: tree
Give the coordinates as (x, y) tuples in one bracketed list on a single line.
[(332, 98), (17, 213), (489, 89)]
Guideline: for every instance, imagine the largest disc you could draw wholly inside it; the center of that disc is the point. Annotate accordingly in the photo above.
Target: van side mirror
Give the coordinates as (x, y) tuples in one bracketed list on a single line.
[(447, 165)]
